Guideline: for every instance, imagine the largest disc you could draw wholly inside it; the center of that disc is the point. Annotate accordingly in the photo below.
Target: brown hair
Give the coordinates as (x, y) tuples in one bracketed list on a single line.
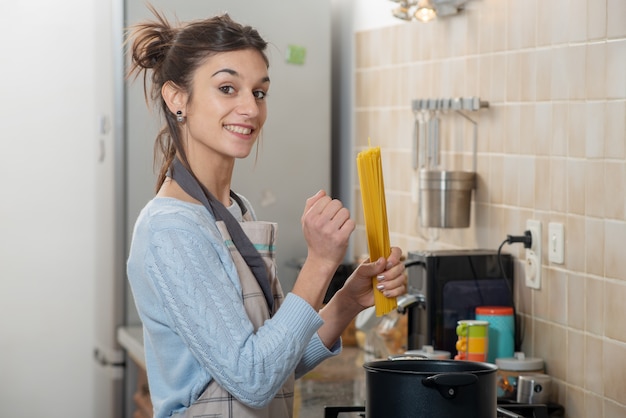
[(173, 54)]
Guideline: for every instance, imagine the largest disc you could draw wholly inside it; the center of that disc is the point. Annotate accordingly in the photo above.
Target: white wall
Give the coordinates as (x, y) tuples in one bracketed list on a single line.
[(46, 208)]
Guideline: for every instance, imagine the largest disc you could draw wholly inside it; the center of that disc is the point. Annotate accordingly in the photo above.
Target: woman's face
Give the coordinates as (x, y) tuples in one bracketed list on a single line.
[(227, 108)]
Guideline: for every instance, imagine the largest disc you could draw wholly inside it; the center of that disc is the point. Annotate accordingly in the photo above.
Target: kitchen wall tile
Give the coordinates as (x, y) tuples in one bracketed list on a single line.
[(546, 19), (578, 21), (484, 78), (528, 19), (614, 260), (594, 360), (500, 25), (560, 82), (615, 130), (558, 184), (544, 74), (594, 406), (614, 317), (575, 357), (557, 289), (496, 131), (512, 141), (596, 19), (402, 42), (527, 127), (551, 349), (528, 77), (616, 16), (472, 71), (575, 254), (594, 190), (613, 369), (542, 183), (616, 68), (594, 306), (595, 70), (575, 401), (561, 15), (498, 84), (577, 71), (362, 128), (560, 121), (558, 392), (513, 78), (594, 243), (576, 186), (577, 129), (541, 299), (527, 182), (611, 409), (511, 180), (514, 24), (496, 177), (615, 179), (595, 136), (543, 128), (576, 303)]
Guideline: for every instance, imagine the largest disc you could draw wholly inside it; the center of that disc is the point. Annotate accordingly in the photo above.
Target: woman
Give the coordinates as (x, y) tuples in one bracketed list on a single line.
[(220, 339)]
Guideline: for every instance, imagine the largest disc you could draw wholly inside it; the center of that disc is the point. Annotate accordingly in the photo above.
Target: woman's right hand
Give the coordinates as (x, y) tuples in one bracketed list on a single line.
[(327, 226)]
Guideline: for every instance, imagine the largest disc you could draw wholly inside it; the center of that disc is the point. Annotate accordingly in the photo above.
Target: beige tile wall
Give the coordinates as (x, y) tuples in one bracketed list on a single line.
[(551, 147)]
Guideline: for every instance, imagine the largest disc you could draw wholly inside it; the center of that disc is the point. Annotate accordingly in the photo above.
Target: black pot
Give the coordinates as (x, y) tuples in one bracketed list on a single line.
[(430, 388)]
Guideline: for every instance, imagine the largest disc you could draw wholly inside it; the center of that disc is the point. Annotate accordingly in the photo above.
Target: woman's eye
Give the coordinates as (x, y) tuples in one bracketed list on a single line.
[(260, 94), (227, 89)]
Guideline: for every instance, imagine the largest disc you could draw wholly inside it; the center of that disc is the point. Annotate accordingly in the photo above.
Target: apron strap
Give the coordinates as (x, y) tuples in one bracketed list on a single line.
[(192, 187)]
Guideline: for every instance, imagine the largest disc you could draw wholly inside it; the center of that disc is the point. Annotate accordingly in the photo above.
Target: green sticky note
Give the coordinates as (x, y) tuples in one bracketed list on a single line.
[(296, 54)]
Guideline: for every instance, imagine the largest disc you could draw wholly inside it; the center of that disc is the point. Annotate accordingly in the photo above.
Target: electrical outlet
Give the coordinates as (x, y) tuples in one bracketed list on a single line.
[(533, 255)]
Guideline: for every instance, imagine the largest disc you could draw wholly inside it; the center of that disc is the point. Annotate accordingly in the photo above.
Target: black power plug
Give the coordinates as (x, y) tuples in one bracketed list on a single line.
[(526, 239)]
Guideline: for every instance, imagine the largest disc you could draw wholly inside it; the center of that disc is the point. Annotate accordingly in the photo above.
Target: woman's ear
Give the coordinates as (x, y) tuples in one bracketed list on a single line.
[(175, 98)]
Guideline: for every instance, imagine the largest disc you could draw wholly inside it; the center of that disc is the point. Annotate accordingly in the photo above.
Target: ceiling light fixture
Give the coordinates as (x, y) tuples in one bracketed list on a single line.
[(427, 10)]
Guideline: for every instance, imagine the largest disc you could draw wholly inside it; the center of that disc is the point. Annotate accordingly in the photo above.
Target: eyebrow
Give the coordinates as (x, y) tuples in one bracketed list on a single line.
[(265, 79)]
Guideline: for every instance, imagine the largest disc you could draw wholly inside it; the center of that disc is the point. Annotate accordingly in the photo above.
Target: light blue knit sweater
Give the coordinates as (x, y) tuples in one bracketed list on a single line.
[(188, 296)]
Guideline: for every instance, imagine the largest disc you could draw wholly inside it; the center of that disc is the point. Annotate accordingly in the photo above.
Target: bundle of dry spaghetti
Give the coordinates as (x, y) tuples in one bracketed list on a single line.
[(375, 211)]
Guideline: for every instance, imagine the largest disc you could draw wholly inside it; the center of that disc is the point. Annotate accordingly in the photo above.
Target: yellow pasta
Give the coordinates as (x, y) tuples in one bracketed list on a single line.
[(375, 211)]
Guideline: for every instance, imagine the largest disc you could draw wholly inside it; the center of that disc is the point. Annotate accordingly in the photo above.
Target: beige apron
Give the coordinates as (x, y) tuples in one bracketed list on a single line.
[(215, 401)]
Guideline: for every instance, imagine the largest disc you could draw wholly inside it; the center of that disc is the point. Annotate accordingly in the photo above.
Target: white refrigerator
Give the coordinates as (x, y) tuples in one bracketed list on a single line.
[(294, 153)]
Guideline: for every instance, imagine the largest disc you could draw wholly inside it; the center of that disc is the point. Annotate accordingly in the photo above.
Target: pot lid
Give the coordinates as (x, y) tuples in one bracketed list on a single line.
[(519, 362)]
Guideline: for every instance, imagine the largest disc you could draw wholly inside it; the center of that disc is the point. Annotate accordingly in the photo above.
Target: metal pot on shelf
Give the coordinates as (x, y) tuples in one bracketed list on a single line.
[(445, 198)]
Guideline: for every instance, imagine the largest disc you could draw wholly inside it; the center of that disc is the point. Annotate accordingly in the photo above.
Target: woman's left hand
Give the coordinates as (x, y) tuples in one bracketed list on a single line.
[(391, 276)]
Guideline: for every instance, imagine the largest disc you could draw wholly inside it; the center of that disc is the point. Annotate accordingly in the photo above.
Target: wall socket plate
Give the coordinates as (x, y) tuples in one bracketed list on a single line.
[(556, 243), (532, 268)]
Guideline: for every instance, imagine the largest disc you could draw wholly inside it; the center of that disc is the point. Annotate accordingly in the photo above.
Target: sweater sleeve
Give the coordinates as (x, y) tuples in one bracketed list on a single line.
[(195, 281)]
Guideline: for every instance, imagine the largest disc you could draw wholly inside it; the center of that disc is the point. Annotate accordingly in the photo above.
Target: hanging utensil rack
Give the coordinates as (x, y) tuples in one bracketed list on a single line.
[(427, 119)]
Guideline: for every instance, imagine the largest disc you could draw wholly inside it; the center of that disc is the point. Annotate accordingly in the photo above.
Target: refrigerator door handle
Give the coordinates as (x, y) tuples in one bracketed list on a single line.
[(111, 360)]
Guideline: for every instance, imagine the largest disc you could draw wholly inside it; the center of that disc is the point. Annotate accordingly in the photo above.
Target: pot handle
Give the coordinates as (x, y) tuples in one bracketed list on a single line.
[(448, 383)]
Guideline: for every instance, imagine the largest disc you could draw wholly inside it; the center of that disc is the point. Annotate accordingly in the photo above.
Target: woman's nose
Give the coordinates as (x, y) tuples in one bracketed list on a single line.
[(248, 105)]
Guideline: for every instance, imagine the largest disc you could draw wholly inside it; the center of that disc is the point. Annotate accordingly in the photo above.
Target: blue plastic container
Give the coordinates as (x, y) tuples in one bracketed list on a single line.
[(501, 330)]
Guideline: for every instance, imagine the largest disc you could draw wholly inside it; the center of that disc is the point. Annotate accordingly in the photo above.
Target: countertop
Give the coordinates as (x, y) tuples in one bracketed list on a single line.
[(337, 381)]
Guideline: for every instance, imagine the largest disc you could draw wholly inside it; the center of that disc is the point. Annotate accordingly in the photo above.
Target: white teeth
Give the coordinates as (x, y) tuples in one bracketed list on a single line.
[(238, 129)]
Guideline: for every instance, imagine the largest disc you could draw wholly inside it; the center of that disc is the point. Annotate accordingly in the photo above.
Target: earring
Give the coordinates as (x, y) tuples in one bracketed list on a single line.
[(179, 116)]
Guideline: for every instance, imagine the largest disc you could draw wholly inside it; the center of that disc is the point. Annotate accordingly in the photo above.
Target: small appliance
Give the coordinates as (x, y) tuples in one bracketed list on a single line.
[(451, 284)]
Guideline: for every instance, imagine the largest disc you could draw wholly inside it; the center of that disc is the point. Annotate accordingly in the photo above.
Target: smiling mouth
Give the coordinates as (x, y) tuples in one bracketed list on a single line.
[(238, 129)]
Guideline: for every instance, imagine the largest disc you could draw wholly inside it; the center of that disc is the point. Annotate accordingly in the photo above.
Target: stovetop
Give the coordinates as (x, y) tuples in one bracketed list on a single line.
[(506, 409)]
